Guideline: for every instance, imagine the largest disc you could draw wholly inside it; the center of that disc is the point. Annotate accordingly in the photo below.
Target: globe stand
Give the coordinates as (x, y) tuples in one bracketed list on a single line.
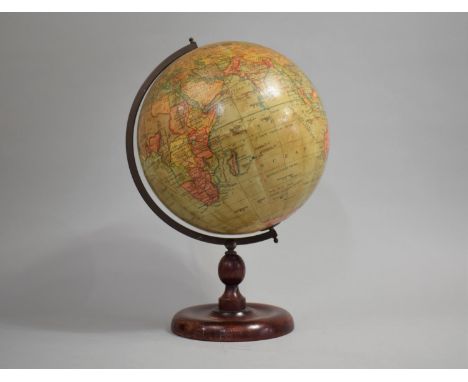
[(232, 319)]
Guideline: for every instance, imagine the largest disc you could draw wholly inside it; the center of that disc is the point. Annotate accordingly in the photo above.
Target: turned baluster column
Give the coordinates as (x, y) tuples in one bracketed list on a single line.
[(231, 271)]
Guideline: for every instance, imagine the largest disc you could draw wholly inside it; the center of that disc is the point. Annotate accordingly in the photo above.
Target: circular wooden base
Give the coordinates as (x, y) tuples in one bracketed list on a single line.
[(255, 322)]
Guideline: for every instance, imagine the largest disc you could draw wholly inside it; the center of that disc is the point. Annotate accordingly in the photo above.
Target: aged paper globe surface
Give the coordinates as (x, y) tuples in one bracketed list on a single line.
[(232, 137)]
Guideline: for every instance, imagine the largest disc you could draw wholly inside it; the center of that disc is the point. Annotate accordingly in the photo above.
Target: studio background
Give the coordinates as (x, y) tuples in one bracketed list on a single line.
[(373, 268)]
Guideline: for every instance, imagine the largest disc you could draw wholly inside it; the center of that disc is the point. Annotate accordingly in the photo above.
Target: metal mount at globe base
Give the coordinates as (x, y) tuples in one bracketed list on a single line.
[(232, 319), (255, 322)]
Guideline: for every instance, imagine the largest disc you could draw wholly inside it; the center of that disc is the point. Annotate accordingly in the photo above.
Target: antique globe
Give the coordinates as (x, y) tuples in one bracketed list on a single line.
[(231, 139)]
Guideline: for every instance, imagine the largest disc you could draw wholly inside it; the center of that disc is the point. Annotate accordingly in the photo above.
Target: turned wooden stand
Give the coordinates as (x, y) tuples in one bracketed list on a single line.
[(232, 319)]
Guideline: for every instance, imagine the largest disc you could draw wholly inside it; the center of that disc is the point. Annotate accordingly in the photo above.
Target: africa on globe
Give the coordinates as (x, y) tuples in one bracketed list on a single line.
[(232, 138)]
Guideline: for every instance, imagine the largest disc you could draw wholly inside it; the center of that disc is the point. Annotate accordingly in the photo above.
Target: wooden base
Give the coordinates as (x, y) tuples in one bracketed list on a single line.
[(232, 319), (255, 322)]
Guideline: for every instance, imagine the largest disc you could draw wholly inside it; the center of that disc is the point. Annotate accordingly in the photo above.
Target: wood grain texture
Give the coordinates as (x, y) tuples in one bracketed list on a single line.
[(232, 319)]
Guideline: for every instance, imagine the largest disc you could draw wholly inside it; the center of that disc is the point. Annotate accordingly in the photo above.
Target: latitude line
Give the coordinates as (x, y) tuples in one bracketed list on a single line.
[(251, 114)]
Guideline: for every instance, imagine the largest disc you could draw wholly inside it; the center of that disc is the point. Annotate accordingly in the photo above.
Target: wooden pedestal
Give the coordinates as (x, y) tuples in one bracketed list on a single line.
[(232, 319)]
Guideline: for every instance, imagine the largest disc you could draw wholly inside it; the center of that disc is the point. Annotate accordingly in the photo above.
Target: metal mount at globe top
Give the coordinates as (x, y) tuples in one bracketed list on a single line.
[(229, 242)]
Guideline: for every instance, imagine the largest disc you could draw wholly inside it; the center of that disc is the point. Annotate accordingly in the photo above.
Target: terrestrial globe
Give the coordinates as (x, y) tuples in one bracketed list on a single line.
[(232, 138)]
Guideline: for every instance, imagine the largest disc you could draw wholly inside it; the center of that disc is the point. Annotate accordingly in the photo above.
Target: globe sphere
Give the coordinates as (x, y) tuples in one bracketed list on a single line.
[(232, 138)]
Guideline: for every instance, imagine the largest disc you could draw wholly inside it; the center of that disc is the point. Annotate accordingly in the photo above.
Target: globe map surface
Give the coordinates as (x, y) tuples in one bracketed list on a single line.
[(232, 137)]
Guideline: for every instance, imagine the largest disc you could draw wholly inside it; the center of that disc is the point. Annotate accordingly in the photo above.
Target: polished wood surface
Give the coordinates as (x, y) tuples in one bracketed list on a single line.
[(255, 322), (232, 319)]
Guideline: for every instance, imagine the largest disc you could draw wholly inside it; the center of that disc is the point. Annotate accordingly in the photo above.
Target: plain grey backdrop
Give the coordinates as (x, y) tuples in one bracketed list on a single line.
[(373, 267)]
